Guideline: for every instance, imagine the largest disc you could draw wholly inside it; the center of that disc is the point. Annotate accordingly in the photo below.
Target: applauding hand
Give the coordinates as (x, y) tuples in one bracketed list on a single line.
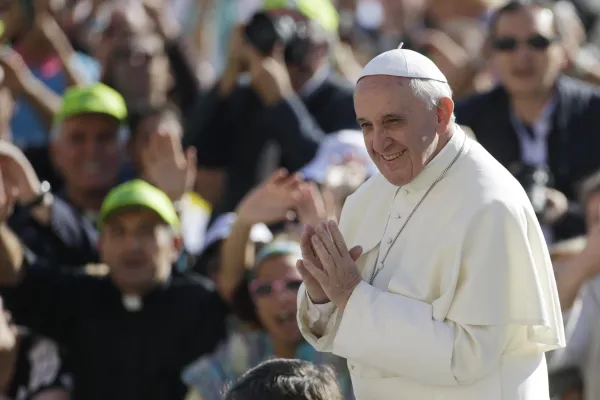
[(314, 205), (272, 200)]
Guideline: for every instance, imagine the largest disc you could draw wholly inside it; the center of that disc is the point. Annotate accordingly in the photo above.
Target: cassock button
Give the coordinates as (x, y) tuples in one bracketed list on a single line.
[(406, 191), (398, 216), (390, 241)]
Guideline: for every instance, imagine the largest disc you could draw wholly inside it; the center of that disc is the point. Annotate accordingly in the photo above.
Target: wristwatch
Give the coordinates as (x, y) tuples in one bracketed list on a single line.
[(39, 199)]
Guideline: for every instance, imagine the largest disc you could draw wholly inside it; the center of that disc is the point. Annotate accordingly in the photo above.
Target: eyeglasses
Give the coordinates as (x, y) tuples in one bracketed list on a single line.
[(536, 42), (264, 288)]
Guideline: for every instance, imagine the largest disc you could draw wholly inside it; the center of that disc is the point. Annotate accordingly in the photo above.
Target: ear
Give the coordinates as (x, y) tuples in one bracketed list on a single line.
[(445, 109)]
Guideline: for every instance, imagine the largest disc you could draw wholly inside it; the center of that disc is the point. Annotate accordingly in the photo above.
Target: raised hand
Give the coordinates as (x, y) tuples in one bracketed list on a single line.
[(167, 166), (314, 205), (18, 173), (270, 77), (272, 200), (16, 73), (166, 24)]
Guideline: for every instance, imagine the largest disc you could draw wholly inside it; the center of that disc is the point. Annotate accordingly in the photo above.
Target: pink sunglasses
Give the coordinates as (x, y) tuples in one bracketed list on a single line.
[(264, 288)]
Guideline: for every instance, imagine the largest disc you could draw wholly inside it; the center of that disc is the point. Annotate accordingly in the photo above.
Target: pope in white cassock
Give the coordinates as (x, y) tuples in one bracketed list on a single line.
[(438, 283)]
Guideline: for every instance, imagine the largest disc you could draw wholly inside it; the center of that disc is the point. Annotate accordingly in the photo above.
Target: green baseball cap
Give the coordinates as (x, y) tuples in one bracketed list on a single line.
[(97, 98), (321, 11), (138, 193)]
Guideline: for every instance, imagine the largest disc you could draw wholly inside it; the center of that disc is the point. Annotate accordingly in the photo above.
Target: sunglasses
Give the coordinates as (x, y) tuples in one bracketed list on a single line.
[(536, 42), (264, 288)]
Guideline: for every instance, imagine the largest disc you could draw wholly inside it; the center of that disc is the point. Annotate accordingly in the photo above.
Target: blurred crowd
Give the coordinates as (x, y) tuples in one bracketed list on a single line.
[(159, 158)]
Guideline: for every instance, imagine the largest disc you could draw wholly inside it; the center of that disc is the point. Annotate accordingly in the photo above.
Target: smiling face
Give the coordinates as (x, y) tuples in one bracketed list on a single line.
[(401, 134), (274, 291), (87, 152)]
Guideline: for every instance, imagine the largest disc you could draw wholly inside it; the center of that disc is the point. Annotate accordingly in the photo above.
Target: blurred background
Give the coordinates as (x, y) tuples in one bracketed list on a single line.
[(241, 112)]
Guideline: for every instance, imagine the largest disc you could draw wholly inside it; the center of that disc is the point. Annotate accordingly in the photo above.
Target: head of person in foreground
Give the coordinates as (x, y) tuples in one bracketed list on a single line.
[(281, 379)]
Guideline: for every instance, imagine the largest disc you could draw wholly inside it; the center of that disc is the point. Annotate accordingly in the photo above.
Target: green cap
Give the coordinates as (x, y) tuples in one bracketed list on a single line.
[(138, 193), (93, 99), (321, 11)]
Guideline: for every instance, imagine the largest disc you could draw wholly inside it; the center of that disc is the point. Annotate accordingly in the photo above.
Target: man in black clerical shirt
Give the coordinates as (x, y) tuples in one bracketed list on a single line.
[(129, 333)]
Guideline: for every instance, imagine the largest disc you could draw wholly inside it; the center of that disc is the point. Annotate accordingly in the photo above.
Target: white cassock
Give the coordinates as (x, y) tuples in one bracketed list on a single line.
[(466, 303)]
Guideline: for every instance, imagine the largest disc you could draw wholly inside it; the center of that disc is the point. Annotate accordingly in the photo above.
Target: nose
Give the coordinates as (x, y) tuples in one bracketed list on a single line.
[(381, 140), (523, 53), (89, 148), (132, 243)]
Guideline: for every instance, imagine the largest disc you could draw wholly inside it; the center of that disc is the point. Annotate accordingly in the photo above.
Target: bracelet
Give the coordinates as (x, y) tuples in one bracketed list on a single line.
[(44, 191)]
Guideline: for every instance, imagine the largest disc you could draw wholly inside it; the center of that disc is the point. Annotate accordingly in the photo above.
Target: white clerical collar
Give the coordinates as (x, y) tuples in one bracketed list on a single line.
[(435, 167), (132, 303)]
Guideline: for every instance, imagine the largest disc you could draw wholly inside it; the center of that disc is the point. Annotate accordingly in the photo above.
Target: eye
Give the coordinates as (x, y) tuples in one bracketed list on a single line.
[(146, 230), (366, 126), (393, 121)]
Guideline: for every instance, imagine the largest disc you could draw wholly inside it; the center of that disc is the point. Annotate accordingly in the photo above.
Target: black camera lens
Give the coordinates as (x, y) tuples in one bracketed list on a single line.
[(261, 33)]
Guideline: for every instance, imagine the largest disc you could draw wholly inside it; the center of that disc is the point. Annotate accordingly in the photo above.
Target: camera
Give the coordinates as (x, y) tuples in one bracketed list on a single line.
[(535, 180), (264, 31)]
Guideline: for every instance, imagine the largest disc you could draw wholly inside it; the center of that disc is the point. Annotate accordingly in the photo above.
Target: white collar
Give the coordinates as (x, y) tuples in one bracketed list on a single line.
[(436, 166)]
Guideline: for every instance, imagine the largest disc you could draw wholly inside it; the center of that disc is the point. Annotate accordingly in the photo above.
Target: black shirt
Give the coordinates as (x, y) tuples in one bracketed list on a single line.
[(115, 353), (249, 140), (39, 367)]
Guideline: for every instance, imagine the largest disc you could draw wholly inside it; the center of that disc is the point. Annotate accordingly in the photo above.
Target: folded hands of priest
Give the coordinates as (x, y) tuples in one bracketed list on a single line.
[(328, 263)]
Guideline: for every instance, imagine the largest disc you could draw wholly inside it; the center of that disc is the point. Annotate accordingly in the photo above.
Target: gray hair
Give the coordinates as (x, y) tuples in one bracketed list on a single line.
[(431, 92)]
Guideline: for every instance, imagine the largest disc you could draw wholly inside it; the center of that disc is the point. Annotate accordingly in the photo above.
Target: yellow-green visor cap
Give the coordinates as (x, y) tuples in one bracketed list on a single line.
[(138, 193), (321, 11), (97, 98)]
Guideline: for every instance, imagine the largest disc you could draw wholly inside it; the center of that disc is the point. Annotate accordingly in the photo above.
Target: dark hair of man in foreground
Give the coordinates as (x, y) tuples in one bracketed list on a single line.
[(281, 379)]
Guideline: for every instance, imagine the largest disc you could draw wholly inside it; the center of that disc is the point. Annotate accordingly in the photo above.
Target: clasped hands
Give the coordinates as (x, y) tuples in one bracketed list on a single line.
[(327, 267)]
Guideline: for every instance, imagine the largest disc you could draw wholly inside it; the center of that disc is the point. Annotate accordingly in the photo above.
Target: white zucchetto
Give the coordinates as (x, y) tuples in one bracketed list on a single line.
[(405, 64)]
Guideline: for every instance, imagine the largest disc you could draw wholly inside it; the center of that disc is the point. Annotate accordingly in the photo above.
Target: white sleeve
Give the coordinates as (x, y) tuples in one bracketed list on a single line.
[(399, 335), (318, 315), (317, 322)]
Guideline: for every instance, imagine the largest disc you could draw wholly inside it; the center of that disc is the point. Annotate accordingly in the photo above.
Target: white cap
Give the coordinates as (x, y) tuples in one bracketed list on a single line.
[(333, 149), (405, 64)]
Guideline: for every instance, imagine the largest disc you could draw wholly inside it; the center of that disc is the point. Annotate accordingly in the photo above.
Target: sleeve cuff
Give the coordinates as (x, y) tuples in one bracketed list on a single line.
[(315, 312), (319, 333)]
